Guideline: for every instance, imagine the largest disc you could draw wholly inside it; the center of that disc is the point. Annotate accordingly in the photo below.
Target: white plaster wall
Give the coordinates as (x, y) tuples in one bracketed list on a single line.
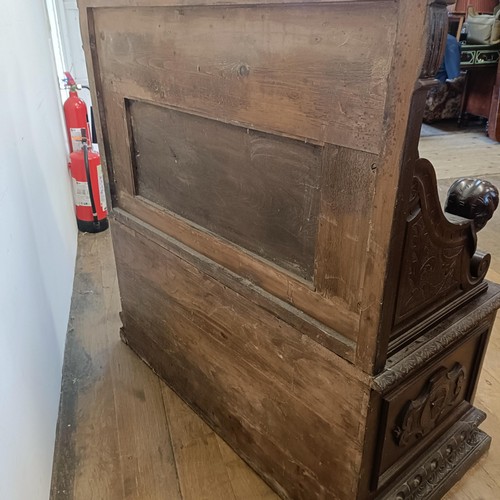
[(73, 54), (69, 45), (37, 250)]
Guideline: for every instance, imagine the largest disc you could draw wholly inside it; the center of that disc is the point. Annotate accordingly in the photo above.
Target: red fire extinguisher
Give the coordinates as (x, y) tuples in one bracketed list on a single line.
[(88, 190), (75, 113)]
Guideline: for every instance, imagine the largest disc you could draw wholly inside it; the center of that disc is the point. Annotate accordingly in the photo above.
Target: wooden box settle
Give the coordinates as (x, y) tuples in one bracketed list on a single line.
[(283, 259)]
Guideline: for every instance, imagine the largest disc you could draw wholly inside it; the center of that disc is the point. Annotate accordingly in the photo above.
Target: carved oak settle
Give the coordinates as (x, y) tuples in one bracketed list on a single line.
[(283, 259)]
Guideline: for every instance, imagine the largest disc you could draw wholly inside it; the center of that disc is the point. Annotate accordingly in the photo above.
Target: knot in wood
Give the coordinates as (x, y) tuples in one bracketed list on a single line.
[(243, 70)]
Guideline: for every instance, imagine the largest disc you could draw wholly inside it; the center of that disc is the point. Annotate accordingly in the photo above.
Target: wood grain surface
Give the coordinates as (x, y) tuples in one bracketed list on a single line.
[(186, 3), (413, 17), (258, 190), (347, 188), (334, 312), (241, 65), (295, 317), (279, 374)]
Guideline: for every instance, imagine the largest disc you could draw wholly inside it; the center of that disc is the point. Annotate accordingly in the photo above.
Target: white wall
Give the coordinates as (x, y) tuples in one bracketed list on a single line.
[(68, 43), (37, 250), (71, 40)]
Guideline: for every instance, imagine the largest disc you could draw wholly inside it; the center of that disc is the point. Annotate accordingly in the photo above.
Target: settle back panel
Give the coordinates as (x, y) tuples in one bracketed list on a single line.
[(253, 134), (283, 259)]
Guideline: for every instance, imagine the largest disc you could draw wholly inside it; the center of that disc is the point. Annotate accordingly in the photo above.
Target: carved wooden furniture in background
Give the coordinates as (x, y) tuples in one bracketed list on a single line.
[(481, 64), (283, 259), (479, 56)]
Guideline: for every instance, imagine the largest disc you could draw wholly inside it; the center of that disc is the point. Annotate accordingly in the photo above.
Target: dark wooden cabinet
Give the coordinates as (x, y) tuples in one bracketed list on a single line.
[(482, 6), (283, 259)]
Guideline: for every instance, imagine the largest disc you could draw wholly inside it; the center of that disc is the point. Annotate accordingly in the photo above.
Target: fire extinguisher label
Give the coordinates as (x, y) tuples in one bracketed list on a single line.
[(76, 138), (102, 192), (81, 194)]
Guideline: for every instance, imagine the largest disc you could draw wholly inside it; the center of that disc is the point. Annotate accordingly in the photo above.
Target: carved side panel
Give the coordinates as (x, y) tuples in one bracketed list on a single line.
[(439, 261), (417, 409), (430, 271), (420, 415)]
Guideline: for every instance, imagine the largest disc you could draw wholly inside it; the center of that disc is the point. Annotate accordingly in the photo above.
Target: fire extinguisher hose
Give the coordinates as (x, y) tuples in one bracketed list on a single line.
[(89, 183)]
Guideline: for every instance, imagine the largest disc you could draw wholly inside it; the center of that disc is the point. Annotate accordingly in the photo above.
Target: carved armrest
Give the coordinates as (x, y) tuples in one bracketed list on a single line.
[(472, 199), (440, 263)]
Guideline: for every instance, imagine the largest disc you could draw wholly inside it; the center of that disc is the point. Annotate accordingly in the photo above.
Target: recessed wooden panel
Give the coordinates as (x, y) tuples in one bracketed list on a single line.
[(416, 411), (254, 189), (316, 71)]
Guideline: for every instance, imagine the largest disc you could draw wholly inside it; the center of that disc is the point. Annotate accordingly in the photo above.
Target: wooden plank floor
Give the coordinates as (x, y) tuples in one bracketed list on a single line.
[(466, 153), (122, 434)]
